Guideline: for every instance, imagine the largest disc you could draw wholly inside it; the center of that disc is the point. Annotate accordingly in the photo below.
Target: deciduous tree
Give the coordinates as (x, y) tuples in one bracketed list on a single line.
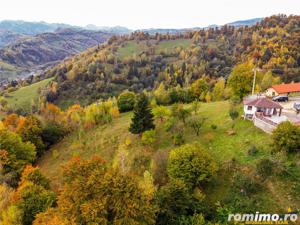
[(93, 194), (191, 164), (241, 79), (15, 154), (31, 131)]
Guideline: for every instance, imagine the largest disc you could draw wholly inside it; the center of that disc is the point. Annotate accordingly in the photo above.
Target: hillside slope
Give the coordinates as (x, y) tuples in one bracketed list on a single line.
[(108, 142), (34, 53), (25, 98), (8, 37), (142, 61)]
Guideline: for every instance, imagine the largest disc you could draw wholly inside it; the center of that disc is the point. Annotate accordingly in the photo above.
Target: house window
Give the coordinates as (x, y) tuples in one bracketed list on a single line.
[(249, 107)]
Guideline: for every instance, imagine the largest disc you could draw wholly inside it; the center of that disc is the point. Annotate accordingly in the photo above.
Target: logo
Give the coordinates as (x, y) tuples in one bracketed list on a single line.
[(264, 218)]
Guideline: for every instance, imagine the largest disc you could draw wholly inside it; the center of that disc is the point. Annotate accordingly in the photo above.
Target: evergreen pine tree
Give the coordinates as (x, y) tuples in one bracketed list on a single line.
[(143, 118)]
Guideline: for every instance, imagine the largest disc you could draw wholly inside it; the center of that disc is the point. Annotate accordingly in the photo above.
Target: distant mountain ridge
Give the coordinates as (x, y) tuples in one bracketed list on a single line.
[(31, 28), (245, 22), (238, 23), (34, 28), (113, 30)]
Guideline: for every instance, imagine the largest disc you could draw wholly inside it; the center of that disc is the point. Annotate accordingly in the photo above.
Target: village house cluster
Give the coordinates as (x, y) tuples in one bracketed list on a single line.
[(278, 104)]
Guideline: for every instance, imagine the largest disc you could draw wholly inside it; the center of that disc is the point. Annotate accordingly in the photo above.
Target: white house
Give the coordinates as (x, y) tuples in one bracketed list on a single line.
[(265, 113), (262, 106)]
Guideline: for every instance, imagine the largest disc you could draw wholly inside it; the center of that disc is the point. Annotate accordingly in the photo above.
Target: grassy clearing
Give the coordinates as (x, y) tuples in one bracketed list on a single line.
[(132, 47), (8, 71), (24, 97), (107, 141), (171, 44)]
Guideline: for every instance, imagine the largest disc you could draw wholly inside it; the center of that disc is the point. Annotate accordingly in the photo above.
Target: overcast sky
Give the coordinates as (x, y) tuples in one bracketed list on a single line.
[(138, 14)]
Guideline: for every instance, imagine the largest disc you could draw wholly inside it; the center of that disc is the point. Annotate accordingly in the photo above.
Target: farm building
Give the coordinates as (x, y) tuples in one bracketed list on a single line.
[(283, 89)]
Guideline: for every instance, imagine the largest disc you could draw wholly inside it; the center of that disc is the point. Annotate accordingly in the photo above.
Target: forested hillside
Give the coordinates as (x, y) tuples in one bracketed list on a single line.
[(50, 47), (47, 48), (142, 61)]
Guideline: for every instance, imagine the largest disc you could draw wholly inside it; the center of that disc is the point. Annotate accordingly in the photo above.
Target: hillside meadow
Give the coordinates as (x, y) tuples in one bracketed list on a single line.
[(23, 98), (130, 48), (113, 141)]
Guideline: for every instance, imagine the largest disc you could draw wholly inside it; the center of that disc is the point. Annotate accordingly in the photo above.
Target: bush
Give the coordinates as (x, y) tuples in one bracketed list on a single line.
[(126, 101), (196, 219), (174, 201), (159, 167), (252, 150), (286, 137), (52, 133), (196, 124), (214, 126), (265, 167), (178, 139), (180, 112), (170, 124), (140, 163), (233, 113), (161, 112), (149, 137)]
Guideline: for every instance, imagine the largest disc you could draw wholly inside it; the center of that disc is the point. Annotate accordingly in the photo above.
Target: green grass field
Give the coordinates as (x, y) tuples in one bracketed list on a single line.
[(24, 97), (132, 47), (107, 141), (171, 44), (8, 71)]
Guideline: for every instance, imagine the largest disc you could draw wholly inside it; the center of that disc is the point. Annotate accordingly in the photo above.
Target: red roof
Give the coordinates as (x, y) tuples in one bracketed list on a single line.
[(287, 88), (264, 103)]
